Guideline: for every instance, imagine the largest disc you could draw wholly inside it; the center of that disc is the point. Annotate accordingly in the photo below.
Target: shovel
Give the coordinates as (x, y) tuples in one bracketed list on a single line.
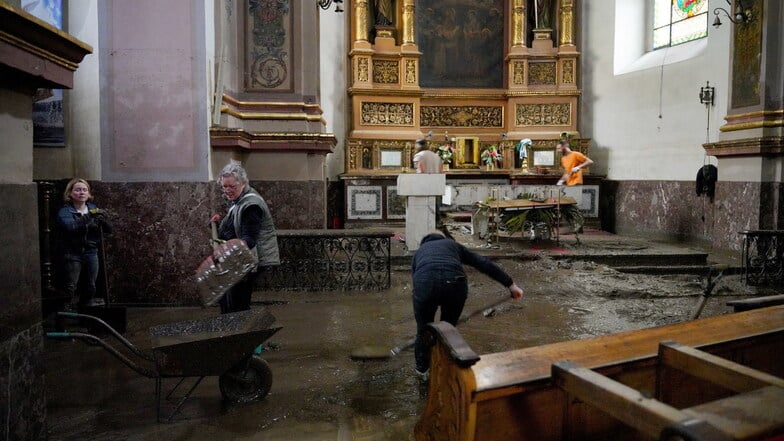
[(373, 352)]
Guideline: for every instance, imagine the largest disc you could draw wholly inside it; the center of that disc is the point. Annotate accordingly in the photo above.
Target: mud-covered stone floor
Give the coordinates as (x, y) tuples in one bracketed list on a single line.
[(320, 393)]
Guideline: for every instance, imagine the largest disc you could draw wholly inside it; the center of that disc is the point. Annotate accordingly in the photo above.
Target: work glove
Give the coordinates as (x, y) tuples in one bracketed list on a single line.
[(576, 169), (215, 218), (560, 182)]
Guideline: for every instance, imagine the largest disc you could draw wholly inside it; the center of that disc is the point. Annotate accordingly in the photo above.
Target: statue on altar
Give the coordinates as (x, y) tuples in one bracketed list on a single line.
[(542, 10), (385, 12)]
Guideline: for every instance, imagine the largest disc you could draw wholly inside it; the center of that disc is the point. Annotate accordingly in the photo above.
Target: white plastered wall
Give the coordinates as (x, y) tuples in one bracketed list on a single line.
[(640, 108), (334, 65)]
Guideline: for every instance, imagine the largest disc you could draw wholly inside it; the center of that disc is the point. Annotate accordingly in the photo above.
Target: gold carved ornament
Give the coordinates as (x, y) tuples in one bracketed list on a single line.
[(411, 72), (518, 74), (541, 73), (461, 116), (568, 72), (385, 71), (363, 71), (558, 114), (387, 114)]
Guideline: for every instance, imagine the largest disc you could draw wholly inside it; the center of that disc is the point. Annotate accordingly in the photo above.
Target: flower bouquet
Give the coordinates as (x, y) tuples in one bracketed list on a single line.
[(491, 155), (446, 152)]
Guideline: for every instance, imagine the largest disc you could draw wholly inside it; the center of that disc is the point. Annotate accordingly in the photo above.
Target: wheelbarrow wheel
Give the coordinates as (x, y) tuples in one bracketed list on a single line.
[(247, 382)]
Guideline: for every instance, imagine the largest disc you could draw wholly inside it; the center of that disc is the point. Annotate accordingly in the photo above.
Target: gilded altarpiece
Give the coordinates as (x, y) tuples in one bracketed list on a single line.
[(495, 72)]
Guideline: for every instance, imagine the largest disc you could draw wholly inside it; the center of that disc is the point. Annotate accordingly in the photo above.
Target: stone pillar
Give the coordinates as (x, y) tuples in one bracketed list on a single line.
[(567, 23), (518, 24), (750, 149), (421, 191), (33, 54), (361, 14), (409, 32)]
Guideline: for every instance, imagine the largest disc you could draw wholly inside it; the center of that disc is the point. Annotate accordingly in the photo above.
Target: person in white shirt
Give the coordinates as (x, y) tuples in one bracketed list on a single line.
[(425, 160)]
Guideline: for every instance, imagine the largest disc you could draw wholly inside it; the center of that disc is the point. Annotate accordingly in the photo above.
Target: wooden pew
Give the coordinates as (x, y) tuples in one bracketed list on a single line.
[(512, 395)]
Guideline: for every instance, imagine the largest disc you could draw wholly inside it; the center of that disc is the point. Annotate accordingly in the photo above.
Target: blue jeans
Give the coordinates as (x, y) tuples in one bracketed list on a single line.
[(74, 265), (431, 291)]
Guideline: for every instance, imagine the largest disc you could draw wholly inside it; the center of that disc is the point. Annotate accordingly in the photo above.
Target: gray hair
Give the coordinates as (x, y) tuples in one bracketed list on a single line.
[(234, 170)]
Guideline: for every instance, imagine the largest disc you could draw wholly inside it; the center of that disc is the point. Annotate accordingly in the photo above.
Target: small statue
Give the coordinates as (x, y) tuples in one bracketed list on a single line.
[(384, 12)]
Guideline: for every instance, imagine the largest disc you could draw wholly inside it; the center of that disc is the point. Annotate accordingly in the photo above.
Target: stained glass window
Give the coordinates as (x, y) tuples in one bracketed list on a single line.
[(679, 21)]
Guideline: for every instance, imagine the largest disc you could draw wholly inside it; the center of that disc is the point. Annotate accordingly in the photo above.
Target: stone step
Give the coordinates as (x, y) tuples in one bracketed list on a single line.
[(675, 269)]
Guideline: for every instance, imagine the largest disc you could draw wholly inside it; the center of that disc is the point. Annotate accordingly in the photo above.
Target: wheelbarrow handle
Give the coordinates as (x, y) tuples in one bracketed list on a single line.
[(112, 350), (112, 331)]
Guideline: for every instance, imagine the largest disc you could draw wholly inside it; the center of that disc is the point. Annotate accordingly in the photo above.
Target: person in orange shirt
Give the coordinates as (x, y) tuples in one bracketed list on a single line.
[(572, 163)]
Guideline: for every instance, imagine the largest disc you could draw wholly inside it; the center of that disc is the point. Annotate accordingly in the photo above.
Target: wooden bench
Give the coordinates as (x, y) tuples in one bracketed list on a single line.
[(756, 303), (513, 396)]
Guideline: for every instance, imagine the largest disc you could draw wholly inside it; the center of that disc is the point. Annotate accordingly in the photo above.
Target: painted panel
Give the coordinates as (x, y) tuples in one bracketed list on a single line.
[(462, 42)]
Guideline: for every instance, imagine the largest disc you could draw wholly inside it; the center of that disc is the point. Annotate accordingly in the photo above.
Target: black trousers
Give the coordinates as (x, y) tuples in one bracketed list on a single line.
[(237, 298), (444, 290)]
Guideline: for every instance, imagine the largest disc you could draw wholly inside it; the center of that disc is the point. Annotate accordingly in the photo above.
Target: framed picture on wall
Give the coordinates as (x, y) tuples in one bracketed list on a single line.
[(390, 158), (48, 118), (544, 157)]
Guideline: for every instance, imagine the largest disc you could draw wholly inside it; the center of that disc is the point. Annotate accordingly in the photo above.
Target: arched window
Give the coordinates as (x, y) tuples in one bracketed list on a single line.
[(679, 21)]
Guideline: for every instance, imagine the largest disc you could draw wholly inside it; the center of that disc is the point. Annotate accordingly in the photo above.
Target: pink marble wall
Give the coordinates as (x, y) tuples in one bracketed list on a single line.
[(153, 69)]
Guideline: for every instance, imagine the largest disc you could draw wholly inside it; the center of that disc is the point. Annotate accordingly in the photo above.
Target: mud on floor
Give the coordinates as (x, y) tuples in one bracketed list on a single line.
[(319, 393)]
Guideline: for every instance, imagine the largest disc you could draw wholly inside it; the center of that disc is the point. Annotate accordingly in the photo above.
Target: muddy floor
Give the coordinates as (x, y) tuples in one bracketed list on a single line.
[(319, 393)]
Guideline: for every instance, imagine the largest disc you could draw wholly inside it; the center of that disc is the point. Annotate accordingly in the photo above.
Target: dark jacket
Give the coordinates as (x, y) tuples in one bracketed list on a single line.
[(706, 180), (439, 257), (78, 233)]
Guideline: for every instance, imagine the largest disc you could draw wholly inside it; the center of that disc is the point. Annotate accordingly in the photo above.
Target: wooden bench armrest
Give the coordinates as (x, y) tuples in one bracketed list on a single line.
[(757, 302), (459, 351)]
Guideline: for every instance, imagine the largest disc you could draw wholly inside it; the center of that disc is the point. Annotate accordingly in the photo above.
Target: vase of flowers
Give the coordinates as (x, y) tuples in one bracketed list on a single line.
[(446, 152), (490, 156)]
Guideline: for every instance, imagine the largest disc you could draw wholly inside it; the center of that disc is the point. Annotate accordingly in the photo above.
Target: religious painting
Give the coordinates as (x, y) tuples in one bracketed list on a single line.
[(462, 43), (746, 60), (268, 46), (48, 119)]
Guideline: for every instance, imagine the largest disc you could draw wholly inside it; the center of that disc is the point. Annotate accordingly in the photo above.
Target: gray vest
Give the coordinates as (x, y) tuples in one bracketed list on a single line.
[(267, 241)]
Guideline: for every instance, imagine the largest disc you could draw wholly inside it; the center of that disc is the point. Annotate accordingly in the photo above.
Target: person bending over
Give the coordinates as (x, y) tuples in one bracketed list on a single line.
[(440, 281)]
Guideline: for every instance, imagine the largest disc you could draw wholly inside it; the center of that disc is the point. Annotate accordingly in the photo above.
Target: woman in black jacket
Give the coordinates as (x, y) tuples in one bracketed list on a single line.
[(80, 224)]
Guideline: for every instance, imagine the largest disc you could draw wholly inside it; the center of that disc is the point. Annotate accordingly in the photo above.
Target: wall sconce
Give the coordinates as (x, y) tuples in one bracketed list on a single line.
[(706, 94), (325, 4), (742, 15)]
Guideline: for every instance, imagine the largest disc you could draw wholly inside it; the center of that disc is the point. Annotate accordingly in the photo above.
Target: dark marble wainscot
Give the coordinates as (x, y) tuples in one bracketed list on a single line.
[(161, 232), (21, 368), (22, 387), (660, 209), (673, 210)]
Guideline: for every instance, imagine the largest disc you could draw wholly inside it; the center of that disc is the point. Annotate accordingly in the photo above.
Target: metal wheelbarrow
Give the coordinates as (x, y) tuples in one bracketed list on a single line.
[(227, 346)]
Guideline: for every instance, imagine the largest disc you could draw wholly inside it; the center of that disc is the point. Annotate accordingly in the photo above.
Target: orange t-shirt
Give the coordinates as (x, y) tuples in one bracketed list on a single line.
[(570, 161)]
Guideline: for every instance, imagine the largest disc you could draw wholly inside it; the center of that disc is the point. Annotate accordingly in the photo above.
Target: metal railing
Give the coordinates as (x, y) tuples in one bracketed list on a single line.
[(330, 260), (763, 256)]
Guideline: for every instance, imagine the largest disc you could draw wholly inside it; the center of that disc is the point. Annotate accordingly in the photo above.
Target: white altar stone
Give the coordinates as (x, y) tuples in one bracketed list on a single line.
[(421, 191)]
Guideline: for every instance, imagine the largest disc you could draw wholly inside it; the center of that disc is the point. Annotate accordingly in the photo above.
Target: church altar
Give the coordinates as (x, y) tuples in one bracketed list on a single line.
[(495, 82)]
